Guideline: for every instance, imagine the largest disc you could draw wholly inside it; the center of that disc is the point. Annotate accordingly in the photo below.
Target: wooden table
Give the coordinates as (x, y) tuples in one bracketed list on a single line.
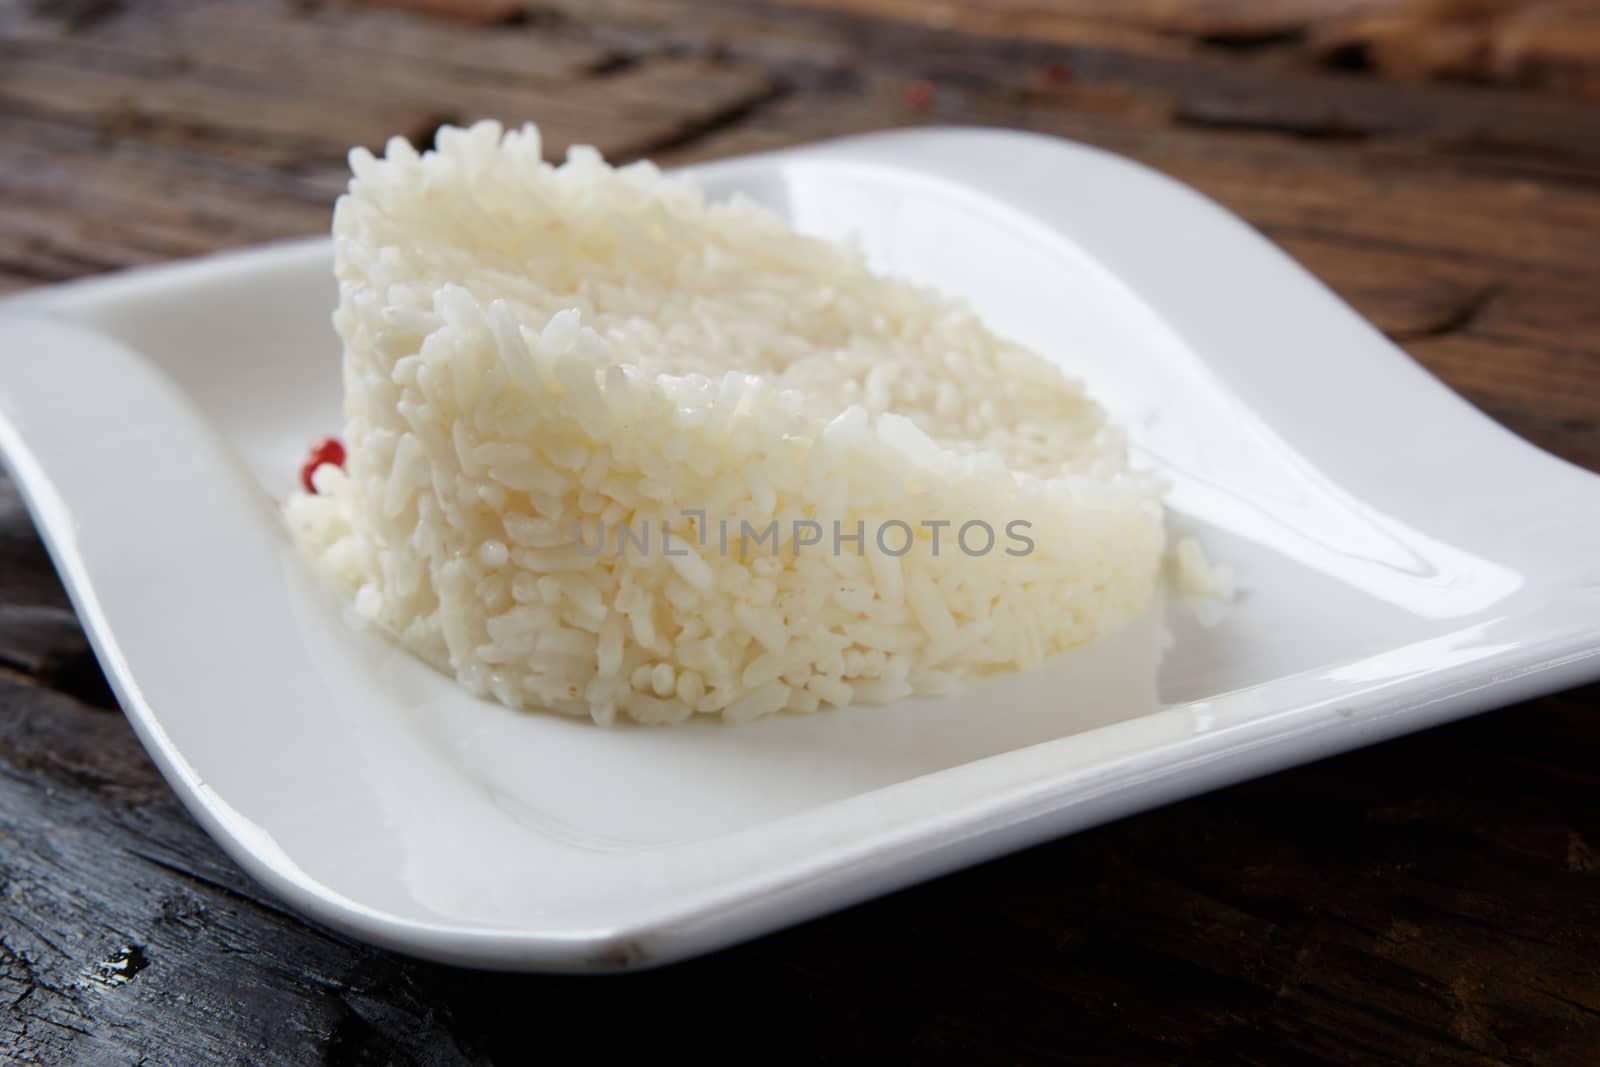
[(1433, 900)]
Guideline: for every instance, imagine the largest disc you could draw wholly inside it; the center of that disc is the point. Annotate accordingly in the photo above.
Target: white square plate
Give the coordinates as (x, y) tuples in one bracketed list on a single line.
[(1403, 561)]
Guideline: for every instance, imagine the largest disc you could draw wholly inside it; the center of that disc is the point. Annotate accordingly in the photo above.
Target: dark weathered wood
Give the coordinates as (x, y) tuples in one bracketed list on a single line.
[(1435, 900)]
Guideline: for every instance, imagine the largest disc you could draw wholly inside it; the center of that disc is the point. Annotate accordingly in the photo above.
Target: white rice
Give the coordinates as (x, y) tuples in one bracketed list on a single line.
[(1197, 577), (529, 346)]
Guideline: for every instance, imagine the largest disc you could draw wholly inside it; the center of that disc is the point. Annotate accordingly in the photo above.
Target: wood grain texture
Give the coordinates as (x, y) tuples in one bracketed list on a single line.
[(1435, 900)]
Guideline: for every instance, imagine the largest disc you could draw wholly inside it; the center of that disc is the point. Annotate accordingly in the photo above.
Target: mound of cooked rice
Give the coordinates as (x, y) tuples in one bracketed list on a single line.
[(537, 357)]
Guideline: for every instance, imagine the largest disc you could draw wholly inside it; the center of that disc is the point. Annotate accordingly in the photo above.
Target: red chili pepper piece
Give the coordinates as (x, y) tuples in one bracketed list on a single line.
[(919, 94), (327, 450), (1055, 73)]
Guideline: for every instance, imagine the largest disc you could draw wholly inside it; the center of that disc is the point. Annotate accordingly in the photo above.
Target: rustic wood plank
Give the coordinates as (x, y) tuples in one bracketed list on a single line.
[(266, 40), (1391, 194), (320, 116), (79, 209), (1550, 44), (276, 127), (474, 12)]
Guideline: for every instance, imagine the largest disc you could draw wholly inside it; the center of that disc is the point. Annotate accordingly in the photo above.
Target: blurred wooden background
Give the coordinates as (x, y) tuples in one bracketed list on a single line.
[(1433, 900)]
